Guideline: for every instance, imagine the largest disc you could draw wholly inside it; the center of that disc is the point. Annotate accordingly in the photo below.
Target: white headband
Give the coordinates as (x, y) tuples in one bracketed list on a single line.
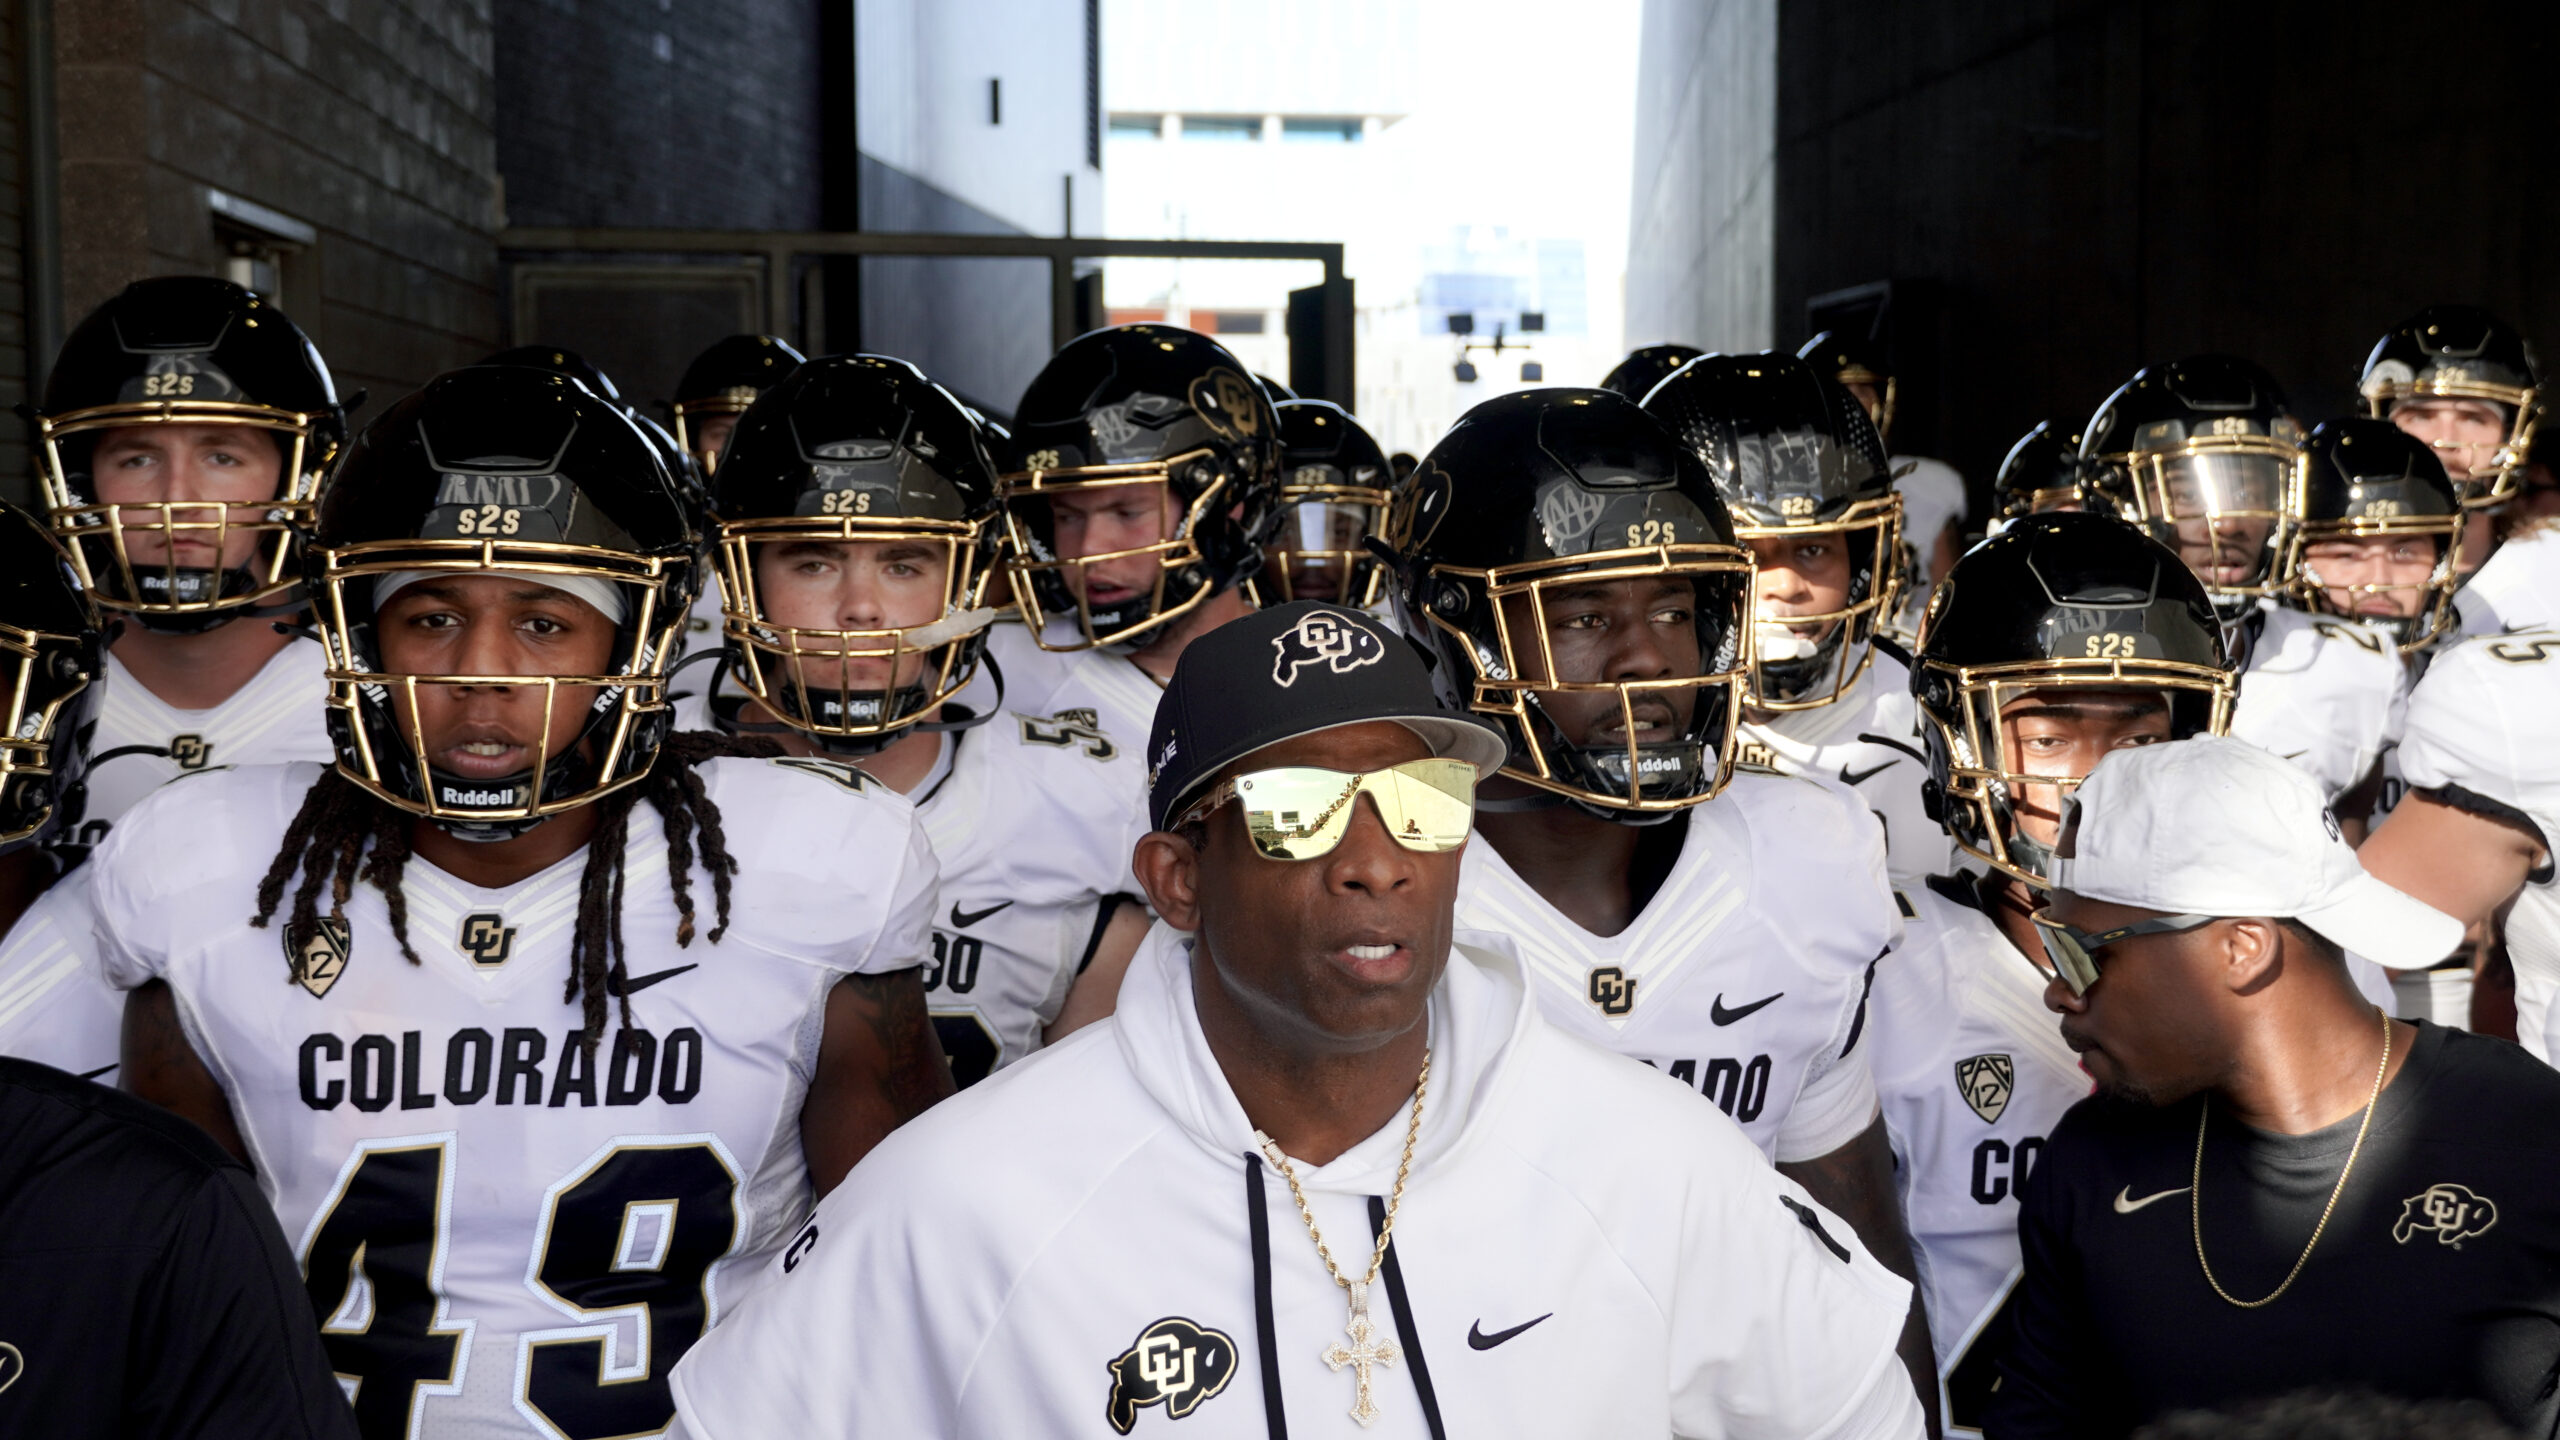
[(602, 596)]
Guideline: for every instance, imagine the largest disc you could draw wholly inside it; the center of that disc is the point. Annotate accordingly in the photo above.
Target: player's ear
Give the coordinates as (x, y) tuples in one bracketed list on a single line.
[(2249, 951), (1169, 867)]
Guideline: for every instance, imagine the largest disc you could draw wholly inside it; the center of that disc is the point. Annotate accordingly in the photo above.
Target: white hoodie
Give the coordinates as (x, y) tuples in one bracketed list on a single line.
[(1085, 1244)]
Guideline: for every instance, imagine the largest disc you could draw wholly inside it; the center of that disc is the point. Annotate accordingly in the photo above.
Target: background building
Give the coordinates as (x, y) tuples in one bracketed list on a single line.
[(2060, 193), (1471, 156), (365, 160)]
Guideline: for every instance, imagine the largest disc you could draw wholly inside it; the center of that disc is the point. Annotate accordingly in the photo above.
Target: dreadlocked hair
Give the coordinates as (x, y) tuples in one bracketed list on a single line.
[(343, 834)]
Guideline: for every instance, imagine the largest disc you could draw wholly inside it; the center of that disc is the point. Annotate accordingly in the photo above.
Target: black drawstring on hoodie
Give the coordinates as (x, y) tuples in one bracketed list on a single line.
[(1393, 1274), (1275, 1415)]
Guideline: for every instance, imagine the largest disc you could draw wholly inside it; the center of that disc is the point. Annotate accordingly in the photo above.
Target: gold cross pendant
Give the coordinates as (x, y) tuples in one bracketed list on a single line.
[(1361, 1354)]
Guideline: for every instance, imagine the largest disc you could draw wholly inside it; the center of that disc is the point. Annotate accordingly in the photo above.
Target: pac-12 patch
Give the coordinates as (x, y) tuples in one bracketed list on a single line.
[(1176, 1363), (1986, 1082)]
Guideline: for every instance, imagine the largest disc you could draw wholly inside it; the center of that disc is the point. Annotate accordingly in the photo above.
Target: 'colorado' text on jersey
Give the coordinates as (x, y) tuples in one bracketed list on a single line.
[(502, 1234), (1745, 976)]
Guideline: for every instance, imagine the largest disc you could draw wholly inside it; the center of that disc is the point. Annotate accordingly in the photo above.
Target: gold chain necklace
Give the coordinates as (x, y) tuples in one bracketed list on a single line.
[(1364, 1351), (2195, 1184)]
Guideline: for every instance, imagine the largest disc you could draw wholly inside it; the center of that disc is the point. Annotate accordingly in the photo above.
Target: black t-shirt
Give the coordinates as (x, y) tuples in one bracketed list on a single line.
[(145, 1290), (2439, 1274)]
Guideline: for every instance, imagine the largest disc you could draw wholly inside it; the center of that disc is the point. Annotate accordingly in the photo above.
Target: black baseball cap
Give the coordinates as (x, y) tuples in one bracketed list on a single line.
[(1288, 671)]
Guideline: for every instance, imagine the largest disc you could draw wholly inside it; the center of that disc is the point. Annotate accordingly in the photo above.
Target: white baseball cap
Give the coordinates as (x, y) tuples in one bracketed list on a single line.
[(2215, 826)]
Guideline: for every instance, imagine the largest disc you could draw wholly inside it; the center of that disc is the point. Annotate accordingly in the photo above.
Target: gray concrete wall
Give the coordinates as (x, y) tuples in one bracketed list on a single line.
[(2098, 185), (1699, 246), (370, 120)]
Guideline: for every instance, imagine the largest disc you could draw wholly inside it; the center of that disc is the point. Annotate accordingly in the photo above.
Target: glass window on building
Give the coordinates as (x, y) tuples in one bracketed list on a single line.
[(1137, 127), (1221, 127), (1321, 129)]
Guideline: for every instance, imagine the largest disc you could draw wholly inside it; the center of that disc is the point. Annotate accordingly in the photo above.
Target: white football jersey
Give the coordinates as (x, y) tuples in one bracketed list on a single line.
[(503, 1234), (1033, 824), (2516, 588), (56, 1006), (1974, 1075), (278, 717), (2483, 720), (1745, 976), (2320, 692), (1869, 741)]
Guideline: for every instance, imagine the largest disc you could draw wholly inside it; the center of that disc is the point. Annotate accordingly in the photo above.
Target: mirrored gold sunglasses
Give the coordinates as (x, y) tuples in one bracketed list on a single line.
[(1300, 812)]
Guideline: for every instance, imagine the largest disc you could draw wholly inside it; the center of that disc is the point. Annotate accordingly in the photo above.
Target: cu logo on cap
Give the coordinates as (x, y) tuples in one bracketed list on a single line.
[(1328, 640)]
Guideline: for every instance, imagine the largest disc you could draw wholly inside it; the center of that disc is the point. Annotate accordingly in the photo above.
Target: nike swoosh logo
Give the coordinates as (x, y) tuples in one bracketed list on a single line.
[(94, 1074), (2126, 1204), (963, 919), (1722, 1016), (637, 983), (1852, 777), (1478, 1340)]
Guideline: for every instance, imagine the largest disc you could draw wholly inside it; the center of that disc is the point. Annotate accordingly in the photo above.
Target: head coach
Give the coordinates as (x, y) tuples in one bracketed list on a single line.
[(2276, 1187), (1326, 1167)]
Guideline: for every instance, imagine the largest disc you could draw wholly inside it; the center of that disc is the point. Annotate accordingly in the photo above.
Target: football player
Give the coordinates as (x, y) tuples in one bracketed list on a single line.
[(2040, 474), (185, 429), (1804, 474), (2381, 534), (2062, 638), (718, 387), (54, 1007), (1145, 489), (2205, 454), (1336, 490), (861, 537), (1933, 498), (2475, 833), (2465, 382), (1635, 376), (512, 1220), (1573, 568)]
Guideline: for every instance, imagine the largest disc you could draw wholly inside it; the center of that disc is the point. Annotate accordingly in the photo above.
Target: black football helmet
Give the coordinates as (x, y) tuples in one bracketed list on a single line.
[(1280, 394), (1795, 456), (1336, 489), (725, 380), (861, 449), (1547, 489), (2041, 473), (1141, 405), (2205, 454), (52, 651), (511, 470), (561, 361), (2464, 353), (186, 350), (2054, 602), (2370, 480), (1635, 376), (1853, 360)]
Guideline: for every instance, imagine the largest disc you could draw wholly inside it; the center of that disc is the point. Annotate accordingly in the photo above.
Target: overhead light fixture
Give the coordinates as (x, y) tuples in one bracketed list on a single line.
[(1532, 370), (1533, 321), (1466, 372), (1462, 322)]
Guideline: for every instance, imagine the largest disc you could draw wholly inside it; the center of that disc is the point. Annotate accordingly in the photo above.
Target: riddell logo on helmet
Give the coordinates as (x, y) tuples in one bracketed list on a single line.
[(479, 799), (1327, 640)]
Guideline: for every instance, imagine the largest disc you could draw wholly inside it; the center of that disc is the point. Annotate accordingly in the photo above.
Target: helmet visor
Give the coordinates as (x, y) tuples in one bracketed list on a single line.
[(2229, 508), (1319, 554)]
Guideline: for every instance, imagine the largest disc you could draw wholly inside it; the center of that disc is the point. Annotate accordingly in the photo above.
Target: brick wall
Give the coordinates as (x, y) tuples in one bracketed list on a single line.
[(371, 121)]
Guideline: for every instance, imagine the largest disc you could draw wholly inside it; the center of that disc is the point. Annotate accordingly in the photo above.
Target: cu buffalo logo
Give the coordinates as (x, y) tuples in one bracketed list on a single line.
[(1338, 644), (2451, 1213), (1613, 990), (487, 938), (1230, 402), (1175, 1363)]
